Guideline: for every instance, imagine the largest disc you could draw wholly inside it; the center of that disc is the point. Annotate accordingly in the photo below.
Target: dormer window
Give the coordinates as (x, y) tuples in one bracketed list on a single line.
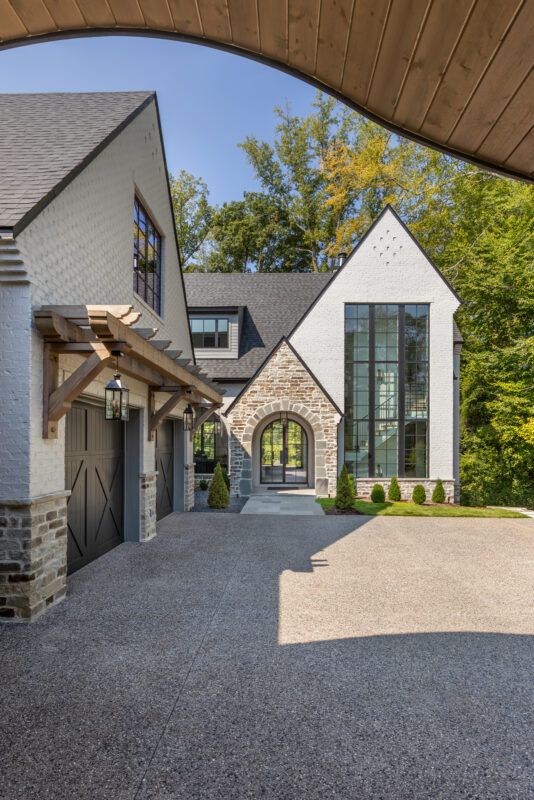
[(210, 333), (146, 258)]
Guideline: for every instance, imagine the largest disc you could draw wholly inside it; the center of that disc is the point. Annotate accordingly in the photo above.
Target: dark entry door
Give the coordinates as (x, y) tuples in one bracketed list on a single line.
[(94, 466), (284, 453), (165, 468)]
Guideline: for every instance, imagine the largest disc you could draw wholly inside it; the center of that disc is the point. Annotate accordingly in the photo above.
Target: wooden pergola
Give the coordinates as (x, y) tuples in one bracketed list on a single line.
[(453, 74), (101, 335)]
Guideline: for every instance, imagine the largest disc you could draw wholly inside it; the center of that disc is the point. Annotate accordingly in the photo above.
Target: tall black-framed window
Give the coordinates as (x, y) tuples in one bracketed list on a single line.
[(146, 258), (210, 448), (209, 333), (386, 390)]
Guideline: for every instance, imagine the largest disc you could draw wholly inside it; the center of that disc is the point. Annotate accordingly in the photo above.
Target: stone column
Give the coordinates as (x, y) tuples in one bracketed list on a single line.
[(147, 506), (33, 556), (189, 486)]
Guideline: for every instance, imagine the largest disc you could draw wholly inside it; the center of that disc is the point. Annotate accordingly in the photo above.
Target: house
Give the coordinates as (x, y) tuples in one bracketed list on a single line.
[(90, 283), (357, 366)]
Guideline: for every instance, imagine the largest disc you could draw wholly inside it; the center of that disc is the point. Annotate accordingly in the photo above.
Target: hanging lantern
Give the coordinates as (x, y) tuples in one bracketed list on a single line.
[(283, 419), (189, 417), (117, 397), (217, 426)]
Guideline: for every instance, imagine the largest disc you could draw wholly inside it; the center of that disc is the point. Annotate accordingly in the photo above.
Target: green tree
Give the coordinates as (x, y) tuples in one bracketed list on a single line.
[(192, 214), (291, 173), (218, 493), (344, 490)]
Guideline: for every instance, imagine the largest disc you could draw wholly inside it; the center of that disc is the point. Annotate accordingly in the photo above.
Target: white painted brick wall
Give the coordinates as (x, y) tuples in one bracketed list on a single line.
[(79, 250), (388, 267)]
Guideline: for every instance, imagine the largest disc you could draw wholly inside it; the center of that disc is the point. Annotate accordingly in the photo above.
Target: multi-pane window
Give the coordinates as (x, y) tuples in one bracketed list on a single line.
[(386, 389), (209, 333), (210, 448), (146, 258)]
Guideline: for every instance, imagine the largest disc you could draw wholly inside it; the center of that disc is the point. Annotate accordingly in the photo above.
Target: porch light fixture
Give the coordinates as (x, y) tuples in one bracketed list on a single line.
[(283, 419), (217, 426), (117, 397), (189, 417)]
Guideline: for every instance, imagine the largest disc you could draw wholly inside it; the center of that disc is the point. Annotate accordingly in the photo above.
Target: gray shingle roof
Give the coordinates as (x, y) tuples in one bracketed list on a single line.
[(45, 139), (274, 303)]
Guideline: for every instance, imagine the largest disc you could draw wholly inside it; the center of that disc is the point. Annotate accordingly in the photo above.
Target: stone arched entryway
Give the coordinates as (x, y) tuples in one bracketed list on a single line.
[(283, 387)]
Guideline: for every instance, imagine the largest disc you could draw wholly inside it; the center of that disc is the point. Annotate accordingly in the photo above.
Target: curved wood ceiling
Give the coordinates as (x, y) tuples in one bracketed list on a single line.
[(454, 74)]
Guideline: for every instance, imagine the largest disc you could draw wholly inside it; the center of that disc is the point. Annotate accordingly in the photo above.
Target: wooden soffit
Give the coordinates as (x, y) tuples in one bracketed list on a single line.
[(453, 74)]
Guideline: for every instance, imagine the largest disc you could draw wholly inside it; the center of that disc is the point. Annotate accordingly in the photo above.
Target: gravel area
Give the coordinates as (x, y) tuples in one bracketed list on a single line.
[(281, 658), (201, 504)]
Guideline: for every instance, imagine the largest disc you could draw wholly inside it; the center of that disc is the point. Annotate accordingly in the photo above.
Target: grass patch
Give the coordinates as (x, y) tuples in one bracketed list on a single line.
[(390, 509)]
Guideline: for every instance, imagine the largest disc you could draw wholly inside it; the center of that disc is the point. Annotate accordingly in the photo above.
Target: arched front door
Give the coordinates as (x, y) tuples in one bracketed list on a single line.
[(284, 453)]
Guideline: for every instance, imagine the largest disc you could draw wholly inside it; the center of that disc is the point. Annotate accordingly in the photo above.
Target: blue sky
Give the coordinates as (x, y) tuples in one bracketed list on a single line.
[(209, 100)]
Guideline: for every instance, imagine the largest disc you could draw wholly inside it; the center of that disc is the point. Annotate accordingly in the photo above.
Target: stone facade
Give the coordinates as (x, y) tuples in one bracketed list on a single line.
[(33, 556), (147, 506), (283, 384), (452, 489), (189, 486)]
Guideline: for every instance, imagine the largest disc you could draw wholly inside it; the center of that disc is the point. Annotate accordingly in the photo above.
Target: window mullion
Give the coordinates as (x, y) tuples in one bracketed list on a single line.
[(401, 390), (372, 381)]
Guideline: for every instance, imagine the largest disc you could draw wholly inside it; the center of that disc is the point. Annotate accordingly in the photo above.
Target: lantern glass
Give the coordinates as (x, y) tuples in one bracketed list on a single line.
[(217, 426), (117, 399), (188, 418)]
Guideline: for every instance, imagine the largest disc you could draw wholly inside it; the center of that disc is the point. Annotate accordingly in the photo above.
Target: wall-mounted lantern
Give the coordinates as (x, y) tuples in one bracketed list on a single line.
[(217, 426), (189, 417), (284, 419), (117, 397)]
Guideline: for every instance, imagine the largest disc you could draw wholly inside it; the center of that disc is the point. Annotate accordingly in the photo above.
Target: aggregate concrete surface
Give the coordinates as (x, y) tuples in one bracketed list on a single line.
[(281, 657)]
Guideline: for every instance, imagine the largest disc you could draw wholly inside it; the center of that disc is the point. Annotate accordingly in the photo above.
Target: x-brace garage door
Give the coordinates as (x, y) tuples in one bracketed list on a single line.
[(165, 468), (94, 459)]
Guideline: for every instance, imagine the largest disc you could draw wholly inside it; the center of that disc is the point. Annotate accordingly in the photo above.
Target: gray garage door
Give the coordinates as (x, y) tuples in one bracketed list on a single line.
[(165, 468), (94, 460)]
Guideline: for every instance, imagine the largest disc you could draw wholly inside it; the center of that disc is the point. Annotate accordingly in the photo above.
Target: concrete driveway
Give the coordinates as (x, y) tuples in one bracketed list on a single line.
[(281, 657)]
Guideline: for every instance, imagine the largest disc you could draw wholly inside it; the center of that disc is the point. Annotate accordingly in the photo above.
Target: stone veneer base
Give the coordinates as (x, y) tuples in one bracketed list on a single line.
[(147, 505), (189, 486), (33, 556)]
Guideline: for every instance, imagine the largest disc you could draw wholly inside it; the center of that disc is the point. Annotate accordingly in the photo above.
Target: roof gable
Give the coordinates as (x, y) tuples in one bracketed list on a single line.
[(376, 254), (48, 139), (283, 341)]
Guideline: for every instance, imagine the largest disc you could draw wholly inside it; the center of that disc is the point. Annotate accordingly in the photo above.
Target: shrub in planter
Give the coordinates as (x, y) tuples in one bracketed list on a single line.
[(419, 494), (438, 495), (344, 490), (203, 484), (218, 494), (394, 492), (377, 494)]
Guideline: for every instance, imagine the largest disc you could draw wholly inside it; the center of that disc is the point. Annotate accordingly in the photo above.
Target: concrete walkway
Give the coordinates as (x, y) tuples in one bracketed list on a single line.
[(296, 502), (279, 658)]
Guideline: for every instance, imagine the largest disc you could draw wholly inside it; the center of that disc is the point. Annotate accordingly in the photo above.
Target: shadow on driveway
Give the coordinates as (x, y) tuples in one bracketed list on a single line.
[(276, 657)]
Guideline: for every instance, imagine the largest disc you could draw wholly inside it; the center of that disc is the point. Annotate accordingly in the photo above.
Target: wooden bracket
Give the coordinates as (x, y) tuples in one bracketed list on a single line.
[(58, 399), (157, 417), (205, 415)]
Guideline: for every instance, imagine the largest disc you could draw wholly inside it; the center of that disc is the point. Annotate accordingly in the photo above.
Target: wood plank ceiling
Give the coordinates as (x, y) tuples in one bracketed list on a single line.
[(456, 74)]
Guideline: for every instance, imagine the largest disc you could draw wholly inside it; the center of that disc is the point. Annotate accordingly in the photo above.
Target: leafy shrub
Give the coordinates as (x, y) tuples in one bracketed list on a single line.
[(203, 484), (377, 494), (218, 496), (438, 495), (344, 490), (419, 494), (394, 492)]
